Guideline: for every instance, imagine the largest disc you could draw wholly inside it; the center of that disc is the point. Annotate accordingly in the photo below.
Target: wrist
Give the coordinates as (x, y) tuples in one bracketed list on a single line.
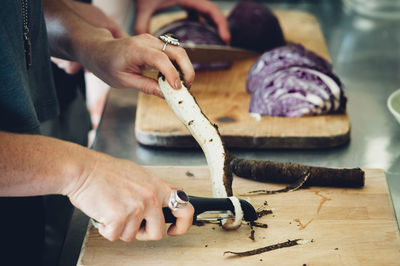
[(79, 164), (88, 50)]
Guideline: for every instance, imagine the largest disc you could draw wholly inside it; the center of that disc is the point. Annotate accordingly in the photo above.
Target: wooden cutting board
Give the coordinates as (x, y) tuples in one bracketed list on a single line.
[(347, 226), (223, 98)]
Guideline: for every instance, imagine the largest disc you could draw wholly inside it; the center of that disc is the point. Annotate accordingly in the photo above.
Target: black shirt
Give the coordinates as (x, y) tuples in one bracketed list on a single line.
[(27, 96)]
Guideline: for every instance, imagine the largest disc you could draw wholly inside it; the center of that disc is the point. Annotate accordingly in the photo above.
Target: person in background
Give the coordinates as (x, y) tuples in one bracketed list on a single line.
[(145, 9), (126, 13), (117, 193)]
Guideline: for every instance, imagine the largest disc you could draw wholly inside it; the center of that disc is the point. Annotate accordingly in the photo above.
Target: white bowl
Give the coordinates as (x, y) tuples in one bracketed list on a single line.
[(393, 104)]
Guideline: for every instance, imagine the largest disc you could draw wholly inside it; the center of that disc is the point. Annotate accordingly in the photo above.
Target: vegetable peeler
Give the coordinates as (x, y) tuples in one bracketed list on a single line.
[(214, 209), (211, 210)]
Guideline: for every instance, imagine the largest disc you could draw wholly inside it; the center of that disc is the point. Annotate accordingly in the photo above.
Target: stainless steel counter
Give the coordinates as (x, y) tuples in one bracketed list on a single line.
[(366, 56)]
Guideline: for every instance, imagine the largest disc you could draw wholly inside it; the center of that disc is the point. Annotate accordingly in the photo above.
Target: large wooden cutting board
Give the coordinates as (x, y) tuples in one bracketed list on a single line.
[(348, 227), (223, 98)]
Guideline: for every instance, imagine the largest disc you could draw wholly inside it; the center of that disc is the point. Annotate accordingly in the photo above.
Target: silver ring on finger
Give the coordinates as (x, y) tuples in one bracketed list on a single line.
[(169, 38), (177, 199), (164, 47)]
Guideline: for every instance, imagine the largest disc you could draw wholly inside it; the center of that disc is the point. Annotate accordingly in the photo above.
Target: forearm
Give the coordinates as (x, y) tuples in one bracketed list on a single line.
[(36, 165), (96, 17), (70, 36)]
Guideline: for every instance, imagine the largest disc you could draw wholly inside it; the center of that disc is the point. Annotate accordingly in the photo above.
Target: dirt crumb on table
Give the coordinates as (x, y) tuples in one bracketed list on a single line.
[(189, 174)]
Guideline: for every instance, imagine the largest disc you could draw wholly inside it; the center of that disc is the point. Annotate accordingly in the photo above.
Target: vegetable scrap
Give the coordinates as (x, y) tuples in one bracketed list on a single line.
[(298, 184), (252, 232), (289, 243), (263, 213), (258, 224), (189, 174)]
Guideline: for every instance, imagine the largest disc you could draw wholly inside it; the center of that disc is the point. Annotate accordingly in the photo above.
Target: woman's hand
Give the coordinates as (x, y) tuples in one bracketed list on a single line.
[(144, 9), (120, 195), (117, 193), (120, 63)]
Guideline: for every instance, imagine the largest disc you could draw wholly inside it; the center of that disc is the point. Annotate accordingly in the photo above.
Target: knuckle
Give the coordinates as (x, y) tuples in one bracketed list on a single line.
[(147, 36), (181, 51), (157, 236), (160, 59), (131, 44), (141, 237), (190, 210), (128, 238), (138, 210), (109, 233), (151, 197), (119, 219), (113, 237)]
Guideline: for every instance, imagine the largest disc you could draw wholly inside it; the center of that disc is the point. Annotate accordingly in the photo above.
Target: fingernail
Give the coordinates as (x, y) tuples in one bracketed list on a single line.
[(189, 85), (178, 84)]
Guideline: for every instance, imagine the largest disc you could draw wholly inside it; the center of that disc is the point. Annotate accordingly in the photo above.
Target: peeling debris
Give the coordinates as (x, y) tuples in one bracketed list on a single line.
[(289, 243), (189, 174)]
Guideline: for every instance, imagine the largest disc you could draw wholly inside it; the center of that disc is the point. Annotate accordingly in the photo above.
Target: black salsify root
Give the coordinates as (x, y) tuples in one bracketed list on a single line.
[(295, 174)]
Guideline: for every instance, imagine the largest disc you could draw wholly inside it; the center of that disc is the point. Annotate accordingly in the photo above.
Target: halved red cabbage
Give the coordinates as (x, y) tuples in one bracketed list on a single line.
[(283, 57), (297, 91), (196, 32), (253, 26)]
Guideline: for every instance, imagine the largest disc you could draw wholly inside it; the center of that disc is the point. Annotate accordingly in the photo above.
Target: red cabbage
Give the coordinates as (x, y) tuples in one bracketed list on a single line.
[(196, 32), (253, 26), (297, 91), (283, 57)]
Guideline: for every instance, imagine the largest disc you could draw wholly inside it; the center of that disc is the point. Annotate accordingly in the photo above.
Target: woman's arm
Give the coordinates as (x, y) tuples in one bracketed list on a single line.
[(117, 193)]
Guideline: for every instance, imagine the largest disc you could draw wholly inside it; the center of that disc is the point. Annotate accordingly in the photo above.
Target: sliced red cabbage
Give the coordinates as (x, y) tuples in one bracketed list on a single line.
[(297, 91), (253, 26), (283, 57), (196, 32)]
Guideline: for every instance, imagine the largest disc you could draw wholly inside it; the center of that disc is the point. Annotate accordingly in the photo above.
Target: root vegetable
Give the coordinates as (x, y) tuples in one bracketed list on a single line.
[(221, 164), (277, 172), (289, 243), (206, 134)]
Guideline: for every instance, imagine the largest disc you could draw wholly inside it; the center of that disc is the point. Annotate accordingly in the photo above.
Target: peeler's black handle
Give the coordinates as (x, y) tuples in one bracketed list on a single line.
[(214, 204), (202, 205)]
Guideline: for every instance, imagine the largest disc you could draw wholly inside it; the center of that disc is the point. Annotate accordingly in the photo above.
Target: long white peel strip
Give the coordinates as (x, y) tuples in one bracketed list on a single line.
[(238, 213), (188, 112)]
